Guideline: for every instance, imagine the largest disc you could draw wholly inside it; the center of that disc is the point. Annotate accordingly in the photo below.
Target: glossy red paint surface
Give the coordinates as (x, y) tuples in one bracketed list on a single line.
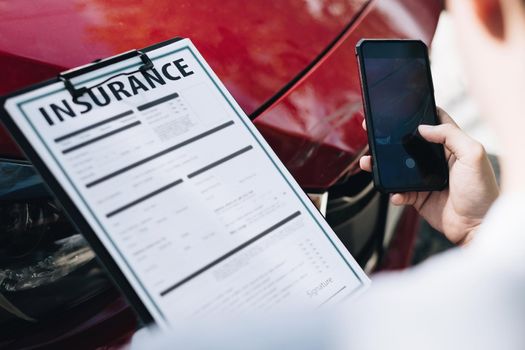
[(20, 72), (256, 50), (316, 128)]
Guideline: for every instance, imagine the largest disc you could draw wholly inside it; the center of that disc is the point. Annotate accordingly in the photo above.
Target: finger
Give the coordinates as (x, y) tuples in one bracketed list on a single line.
[(366, 163), (363, 124), (399, 199), (407, 198), (450, 135), (444, 118), (415, 199)]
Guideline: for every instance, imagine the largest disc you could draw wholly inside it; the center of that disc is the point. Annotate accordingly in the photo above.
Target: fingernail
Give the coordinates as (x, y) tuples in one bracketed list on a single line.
[(424, 127)]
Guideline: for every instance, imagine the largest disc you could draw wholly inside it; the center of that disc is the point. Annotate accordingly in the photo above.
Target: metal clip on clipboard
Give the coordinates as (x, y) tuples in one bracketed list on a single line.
[(78, 92)]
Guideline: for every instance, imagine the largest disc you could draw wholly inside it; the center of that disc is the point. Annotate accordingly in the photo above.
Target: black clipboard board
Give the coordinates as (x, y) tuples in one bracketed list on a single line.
[(73, 213)]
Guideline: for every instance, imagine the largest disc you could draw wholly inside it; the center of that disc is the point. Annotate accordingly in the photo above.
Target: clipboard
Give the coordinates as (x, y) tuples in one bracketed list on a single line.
[(74, 215), (349, 278)]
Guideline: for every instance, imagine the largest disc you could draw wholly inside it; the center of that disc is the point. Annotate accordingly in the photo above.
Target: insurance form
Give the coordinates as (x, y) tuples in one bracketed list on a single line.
[(181, 190)]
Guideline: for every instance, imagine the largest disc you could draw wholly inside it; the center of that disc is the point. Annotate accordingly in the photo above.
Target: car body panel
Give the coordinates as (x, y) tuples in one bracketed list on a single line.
[(316, 128), (256, 50), (289, 64)]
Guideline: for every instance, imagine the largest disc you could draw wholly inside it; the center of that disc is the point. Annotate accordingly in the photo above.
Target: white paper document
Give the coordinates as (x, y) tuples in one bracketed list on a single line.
[(183, 192)]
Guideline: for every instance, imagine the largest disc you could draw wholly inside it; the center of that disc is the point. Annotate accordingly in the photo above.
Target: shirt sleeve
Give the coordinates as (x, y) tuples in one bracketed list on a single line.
[(467, 298)]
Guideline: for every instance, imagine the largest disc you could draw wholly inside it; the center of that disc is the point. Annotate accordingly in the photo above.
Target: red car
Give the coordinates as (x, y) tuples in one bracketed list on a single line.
[(291, 66)]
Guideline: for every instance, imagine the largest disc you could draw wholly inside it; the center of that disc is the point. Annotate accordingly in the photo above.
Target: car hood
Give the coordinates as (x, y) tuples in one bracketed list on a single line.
[(254, 47), (289, 64)]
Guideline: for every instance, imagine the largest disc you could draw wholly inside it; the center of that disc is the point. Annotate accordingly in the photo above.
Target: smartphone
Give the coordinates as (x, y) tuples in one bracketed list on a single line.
[(398, 96)]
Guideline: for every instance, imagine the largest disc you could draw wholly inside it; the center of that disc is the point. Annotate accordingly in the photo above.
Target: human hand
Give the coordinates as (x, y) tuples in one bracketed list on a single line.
[(459, 209)]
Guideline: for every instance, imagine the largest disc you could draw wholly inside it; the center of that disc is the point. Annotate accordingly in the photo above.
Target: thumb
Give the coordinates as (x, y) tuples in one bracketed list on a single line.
[(452, 137)]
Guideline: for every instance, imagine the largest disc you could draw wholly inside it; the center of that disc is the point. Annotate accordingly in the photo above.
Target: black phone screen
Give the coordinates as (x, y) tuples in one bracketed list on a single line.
[(399, 97)]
